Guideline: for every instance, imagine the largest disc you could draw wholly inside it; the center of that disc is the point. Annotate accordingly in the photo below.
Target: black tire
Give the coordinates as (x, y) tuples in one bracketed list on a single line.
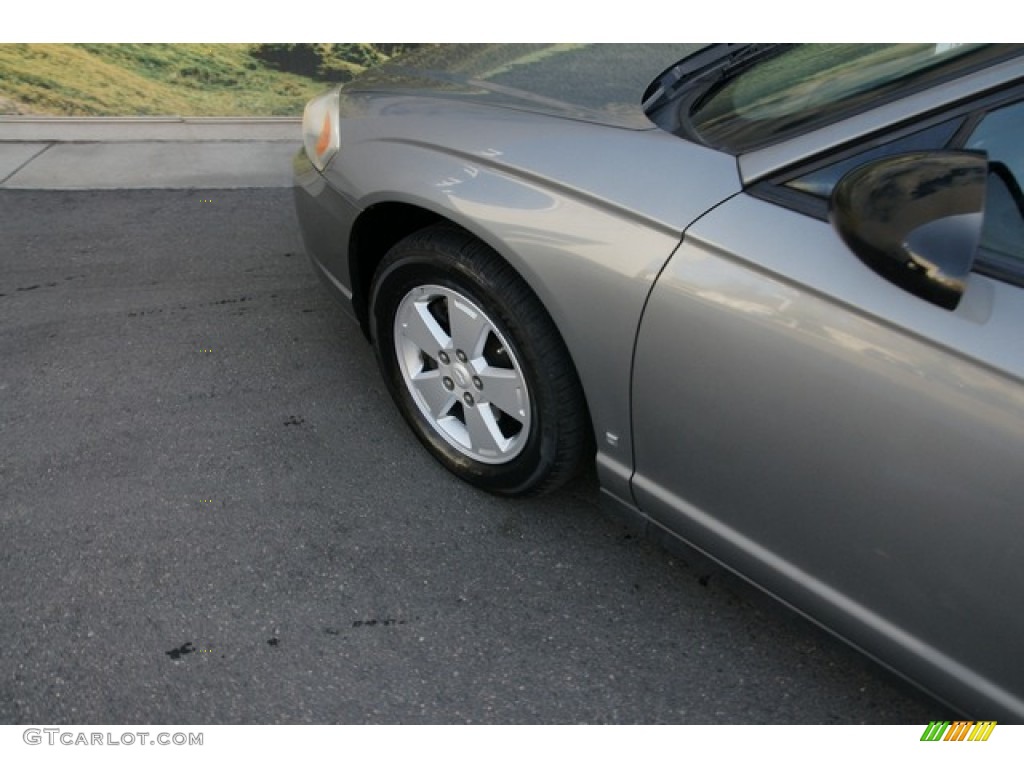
[(507, 413)]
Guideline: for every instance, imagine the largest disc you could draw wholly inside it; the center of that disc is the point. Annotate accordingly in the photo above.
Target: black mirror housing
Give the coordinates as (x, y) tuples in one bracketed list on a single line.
[(915, 218)]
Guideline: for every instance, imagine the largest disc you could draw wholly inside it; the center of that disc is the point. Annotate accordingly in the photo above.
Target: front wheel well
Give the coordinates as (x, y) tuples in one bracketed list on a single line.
[(476, 365), (376, 231)]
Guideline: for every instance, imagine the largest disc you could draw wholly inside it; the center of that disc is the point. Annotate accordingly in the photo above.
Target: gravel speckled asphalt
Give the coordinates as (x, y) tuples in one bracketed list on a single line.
[(210, 513)]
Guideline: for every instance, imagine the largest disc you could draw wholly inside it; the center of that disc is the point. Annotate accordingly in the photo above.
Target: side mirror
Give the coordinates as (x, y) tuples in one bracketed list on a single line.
[(916, 219)]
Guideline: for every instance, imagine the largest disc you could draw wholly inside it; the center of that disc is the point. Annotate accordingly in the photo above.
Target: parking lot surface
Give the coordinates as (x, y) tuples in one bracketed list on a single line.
[(211, 513)]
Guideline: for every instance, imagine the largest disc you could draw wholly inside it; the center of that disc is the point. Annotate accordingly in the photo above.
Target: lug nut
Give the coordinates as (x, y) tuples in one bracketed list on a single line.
[(443, 357), (461, 355), (448, 383), (468, 398), (477, 382)]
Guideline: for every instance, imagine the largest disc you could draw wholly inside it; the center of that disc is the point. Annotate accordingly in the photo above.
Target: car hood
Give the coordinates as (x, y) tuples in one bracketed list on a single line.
[(601, 83)]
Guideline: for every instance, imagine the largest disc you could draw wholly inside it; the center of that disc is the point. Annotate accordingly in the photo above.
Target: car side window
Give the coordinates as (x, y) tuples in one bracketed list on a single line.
[(998, 134)]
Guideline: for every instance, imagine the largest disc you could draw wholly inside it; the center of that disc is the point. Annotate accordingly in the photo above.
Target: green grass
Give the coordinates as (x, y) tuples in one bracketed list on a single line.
[(152, 79)]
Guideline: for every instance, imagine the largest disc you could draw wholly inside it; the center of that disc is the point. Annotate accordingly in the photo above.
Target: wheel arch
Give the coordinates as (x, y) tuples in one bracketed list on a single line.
[(377, 229), (382, 225)]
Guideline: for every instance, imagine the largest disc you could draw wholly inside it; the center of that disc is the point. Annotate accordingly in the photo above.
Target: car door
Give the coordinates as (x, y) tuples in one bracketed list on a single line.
[(854, 449)]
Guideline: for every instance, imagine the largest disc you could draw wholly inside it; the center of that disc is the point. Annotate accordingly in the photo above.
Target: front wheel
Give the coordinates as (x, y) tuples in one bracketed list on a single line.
[(475, 364)]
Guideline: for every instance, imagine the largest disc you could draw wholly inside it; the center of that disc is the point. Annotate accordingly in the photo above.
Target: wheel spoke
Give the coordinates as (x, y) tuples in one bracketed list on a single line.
[(483, 431), (437, 399), (504, 389), (469, 325), (420, 328)]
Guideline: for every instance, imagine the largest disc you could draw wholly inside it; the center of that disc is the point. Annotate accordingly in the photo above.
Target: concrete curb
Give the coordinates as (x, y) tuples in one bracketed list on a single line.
[(146, 153), (32, 128)]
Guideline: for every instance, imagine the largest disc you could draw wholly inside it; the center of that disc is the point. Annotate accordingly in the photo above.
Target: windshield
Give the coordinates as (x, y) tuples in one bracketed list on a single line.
[(804, 87)]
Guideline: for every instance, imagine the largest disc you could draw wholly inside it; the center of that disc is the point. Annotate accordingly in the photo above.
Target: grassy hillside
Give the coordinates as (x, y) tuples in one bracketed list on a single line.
[(174, 79)]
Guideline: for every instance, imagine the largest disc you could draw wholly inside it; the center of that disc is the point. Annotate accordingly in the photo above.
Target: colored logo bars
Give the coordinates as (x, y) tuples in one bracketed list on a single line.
[(960, 730)]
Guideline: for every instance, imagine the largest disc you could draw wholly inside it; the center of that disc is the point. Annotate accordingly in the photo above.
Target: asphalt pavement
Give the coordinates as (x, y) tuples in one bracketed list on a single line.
[(211, 513)]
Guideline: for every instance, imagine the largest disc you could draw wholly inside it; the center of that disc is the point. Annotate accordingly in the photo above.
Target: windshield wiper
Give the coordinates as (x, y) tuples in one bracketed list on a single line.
[(724, 60)]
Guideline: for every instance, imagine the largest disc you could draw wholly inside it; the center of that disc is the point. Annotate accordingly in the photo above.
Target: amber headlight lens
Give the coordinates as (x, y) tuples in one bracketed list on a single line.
[(320, 128)]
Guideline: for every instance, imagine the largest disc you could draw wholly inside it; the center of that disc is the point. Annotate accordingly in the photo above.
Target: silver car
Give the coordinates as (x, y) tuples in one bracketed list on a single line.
[(776, 293)]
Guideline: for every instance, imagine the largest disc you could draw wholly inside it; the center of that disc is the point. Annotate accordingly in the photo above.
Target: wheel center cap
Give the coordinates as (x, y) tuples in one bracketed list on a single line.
[(461, 375)]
